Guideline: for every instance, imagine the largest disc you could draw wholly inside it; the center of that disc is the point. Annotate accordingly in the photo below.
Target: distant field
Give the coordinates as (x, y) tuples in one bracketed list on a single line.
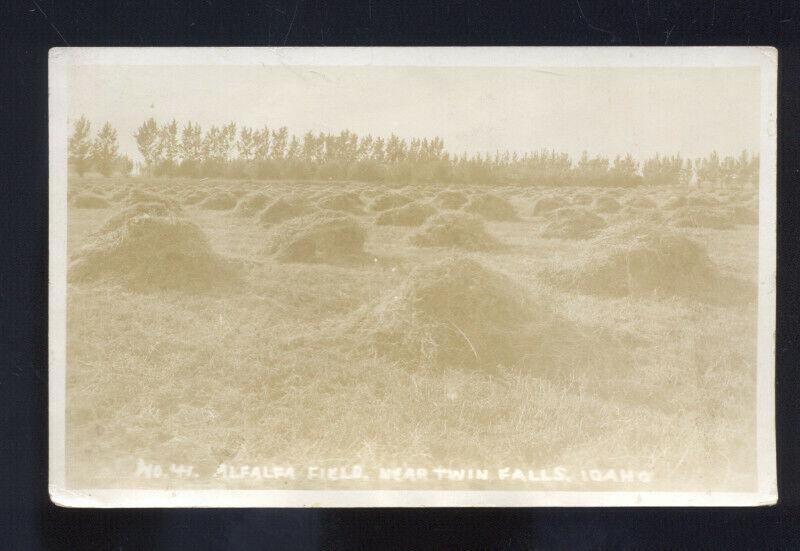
[(488, 327)]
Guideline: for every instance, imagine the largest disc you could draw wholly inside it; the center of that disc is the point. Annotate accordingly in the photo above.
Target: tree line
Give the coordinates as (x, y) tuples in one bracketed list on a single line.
[(230, 151)]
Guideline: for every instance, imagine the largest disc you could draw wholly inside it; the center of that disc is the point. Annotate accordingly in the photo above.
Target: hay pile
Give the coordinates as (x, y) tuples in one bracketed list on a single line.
[(137, 196), (120, 195), (139, 209), (702, 217), (389, 201), (641, 202), (90, 201), (450, 200), (284, 209), (582, 199), (606, 204), (455, 313), (219, 200), (319, 237), (343, 202), (412, 214), (674, 202), (457, 230), (548, 204), (492, 207), (149, 253), (573, 223), (194, 197), (637, 259), (250, 205)]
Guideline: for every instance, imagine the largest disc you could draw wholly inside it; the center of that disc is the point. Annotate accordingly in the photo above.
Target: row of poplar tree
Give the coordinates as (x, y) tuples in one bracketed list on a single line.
[(262, 153)]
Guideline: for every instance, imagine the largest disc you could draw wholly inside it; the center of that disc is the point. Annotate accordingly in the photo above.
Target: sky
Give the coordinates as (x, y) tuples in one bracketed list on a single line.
[(605, 111)]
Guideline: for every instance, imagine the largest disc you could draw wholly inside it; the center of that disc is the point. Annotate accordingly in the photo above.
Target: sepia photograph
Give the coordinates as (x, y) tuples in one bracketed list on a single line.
[(369, 277)]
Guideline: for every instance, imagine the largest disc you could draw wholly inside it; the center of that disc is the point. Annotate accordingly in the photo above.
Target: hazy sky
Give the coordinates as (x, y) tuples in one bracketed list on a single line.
[(601, 110)]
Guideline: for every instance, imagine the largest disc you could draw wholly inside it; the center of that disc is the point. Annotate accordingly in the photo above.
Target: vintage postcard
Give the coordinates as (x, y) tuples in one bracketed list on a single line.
[(368, 277)]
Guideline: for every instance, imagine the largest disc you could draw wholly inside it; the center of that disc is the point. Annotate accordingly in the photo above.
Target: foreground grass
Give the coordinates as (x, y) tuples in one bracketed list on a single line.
[(264, 374)]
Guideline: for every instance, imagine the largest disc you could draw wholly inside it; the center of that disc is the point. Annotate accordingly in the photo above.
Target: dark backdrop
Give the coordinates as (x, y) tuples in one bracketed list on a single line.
[(29, 27)]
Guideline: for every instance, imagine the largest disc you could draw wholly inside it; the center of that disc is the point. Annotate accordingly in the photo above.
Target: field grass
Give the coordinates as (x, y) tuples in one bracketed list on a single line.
[(270, 370)]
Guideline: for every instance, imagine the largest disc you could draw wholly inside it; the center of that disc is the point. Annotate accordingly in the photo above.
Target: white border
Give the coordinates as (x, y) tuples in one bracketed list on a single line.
[(61, 60)]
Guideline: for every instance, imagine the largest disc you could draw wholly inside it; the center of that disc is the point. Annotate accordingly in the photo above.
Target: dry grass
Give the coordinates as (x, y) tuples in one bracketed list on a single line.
[(451, 200), (388, 201), (221, 200), (491, 207), (252, 204), (606, 204), (573, 223), (702, 217), (90, 201), (295, 363), (148, 253), (344, 202), (318, 237), (456, 230), (284, 209), (412, 214), (546, 205)]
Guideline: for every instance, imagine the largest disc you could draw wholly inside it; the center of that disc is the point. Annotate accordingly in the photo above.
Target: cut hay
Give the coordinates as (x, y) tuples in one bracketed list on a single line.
[(389, 201), (343, 202), (606, 204), (457, 313), (220, 200), (149, 253), (674, 202), (194, 197), (548, 204), (120, 195), (640, 202), (702, 217), (450, 200), (637, 260), (412, 214), (90, 201), (492, 207), (319, 237), (139, 196), (745, 214), (284, 209), (582, 199), (457, 230), (139, 209), (573, 223), (250, 205)]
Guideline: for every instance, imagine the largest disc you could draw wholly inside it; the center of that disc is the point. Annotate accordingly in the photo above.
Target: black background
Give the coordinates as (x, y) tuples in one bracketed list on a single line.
[(28, 28)]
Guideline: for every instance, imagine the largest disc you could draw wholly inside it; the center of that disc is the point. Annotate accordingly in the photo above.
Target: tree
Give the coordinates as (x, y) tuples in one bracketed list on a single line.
[(168, 148), (279, 139), (147, 142), (105, 149), (246, 144), (80, 146), (125, 165)]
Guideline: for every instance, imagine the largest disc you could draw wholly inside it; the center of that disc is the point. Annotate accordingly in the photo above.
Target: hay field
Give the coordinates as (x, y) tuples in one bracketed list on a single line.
[(271, 323)]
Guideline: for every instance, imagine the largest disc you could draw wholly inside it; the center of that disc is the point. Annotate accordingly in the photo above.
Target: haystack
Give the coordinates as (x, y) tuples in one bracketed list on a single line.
[(139, 209), (319, 237), (582, 199), (389, 201), (491, 207), (140, 196), (606, 204), (455, 313), (635, 260), (284, 209), (451, 200), (573, 223), (641, 202), (194, 197), (702, 217), (250, 205), (148, 253), (90, 201), (674, 202), (120, 195), (457, 230), (343, 202), (219, 200), (548, 204), (412, 214)]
